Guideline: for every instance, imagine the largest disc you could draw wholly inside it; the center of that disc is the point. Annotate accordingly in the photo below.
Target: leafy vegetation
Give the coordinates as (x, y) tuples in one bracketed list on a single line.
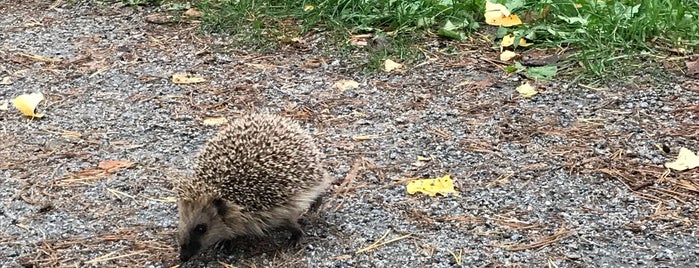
[(600, 33)]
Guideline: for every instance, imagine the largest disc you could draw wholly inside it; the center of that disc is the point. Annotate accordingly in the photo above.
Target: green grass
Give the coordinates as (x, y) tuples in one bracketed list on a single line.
[(607, 37), (613, 37)]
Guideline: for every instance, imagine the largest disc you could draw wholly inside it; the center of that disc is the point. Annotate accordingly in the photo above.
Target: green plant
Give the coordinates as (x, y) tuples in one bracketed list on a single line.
[(610, 35)]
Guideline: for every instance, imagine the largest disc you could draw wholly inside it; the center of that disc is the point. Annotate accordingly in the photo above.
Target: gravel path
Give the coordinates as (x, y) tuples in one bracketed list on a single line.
[(569, 178)]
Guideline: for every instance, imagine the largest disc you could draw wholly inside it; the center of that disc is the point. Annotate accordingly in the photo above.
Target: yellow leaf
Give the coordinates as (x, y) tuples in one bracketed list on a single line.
[(182, 78), (509, 40), (3, 105), (526, 90), (443, 186), (507, 55), (686, 159), (193, 12), (308, 7), (364, 137), (499, 15), (422, 158), (27, 103), (6, 80), (389, 65), (215, 121), (346, 84), (421, 161)]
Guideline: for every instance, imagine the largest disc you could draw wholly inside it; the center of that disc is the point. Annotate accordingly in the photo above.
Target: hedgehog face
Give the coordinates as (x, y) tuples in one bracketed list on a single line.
[(201, 225)]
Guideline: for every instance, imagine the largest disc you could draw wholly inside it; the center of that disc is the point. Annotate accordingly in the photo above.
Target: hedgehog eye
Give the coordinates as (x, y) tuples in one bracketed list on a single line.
[(200, 229)]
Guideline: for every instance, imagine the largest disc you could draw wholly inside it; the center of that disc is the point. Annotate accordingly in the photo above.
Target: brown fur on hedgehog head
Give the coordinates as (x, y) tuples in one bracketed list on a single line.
[(201, 217)]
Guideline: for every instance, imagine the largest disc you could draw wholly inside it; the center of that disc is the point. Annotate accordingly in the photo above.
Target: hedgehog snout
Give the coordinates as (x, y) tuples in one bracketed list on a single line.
[(188, 250)]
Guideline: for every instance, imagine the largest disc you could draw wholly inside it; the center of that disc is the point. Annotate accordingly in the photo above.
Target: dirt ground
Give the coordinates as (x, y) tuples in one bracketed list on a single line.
[(572, 177)]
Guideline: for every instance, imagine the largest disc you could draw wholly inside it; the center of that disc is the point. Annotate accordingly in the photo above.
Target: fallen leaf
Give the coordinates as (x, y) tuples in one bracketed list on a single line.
[(314, 62), (422, 158), (86, 176), (686, 159), (526, 90), (70, 134), (27, 103), (389, 65), (4, 105), (421, 161), (507, 55), (364, 137), (308, 8), (6, 81), (112, 166), (692, 66), (443, 186), (360, 40), (215, 121), (346, 84), (499, 15), (509, 40), (193, 12), (160, 18), (542, 72), (183, 78)]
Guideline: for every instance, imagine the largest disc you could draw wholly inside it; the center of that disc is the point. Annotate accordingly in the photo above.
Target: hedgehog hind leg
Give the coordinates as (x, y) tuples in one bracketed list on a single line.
[(316, 204), (296, 232)]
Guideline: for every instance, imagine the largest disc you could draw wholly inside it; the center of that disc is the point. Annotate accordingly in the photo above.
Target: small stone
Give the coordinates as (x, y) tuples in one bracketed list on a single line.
[(573, 255)]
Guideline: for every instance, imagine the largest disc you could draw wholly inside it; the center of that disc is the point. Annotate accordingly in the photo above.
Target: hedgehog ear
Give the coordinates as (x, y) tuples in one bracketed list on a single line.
[(220, 206)]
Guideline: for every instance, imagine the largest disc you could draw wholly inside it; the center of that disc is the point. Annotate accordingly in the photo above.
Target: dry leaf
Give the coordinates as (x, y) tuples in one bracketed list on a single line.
[(160, 18), (443, 186), (389, 65), (215, 121), (112, 166), (509, 40), (4, 105), (27, 103), (104, 169), (183, 78), (422, 158), (314, 62), (421, 161), (364, 137), (507, 55), (526, 90), (360, 40), (499, 15), (6, 81), (70, 134), (692, 66), (308, 7), (346, 84), (193, 12), (686, 159)]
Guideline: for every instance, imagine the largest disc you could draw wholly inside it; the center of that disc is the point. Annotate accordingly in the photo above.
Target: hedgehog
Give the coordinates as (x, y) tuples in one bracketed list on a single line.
[(259, 172)]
